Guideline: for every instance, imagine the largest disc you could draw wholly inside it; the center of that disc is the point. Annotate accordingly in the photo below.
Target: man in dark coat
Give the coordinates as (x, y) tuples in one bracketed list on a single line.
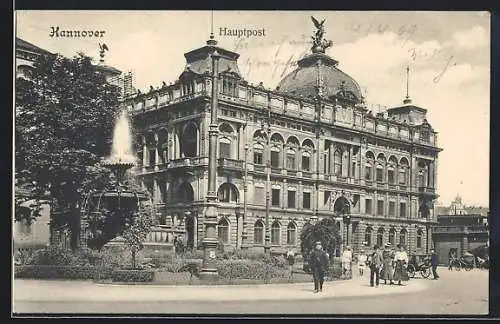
[(375, 262), (318, 260), (434, 264)]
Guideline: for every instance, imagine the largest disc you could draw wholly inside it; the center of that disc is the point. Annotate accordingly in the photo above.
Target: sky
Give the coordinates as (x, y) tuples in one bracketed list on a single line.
[(448, 54)]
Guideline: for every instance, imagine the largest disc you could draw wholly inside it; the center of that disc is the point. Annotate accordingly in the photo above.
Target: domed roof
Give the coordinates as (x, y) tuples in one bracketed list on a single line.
[(318, 66)]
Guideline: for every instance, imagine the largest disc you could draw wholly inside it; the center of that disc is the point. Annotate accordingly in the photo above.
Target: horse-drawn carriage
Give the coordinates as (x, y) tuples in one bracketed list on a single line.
[(421, 264)]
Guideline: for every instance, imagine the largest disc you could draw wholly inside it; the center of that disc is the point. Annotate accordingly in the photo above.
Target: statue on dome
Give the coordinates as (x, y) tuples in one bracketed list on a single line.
[(319, 43)]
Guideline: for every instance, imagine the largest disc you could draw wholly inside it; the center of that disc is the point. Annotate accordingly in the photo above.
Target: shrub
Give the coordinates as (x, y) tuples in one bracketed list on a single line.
[(24, 256), (56, 256), (248, 269), (62, 272), (133, 275)]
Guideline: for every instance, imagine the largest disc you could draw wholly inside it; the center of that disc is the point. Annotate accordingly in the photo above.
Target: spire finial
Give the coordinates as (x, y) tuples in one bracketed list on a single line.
[(407, 99), (212, 41), (102, 48)]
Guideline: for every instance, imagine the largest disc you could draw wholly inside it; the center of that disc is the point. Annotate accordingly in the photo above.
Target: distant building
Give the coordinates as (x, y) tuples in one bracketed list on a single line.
[(26, 55), (461, 228)]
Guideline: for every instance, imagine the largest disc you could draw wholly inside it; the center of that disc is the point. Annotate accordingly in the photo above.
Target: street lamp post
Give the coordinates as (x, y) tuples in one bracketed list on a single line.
[(209, 270), (245, 189), (187, 222), (347, 221), (267, 129)]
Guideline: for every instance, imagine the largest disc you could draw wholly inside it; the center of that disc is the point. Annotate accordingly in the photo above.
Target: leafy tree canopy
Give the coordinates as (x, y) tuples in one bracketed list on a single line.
[(324, 231), (65, 112)]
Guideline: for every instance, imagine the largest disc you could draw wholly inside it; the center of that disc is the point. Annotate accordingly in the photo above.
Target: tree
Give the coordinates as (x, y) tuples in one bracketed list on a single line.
[(324, 231), (65, 111), (136, 232)]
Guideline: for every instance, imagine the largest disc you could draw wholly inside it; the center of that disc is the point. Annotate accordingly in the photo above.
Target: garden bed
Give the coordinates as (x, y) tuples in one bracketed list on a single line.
[(163, 278), (62, 272), (82, 273)]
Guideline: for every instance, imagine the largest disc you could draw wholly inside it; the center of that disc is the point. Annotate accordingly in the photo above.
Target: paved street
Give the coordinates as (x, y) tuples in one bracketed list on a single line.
[(454, 293)]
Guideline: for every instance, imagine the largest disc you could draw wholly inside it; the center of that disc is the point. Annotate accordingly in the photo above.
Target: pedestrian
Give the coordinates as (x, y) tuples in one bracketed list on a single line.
[(375, 262), (290, 257), (318, 262), (401, 259), (362, 260), (451, 258), (388, 266), (346, 262), (434, 264)]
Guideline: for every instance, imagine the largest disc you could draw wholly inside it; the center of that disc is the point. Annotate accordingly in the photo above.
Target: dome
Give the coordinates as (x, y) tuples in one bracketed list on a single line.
[(304, 80)]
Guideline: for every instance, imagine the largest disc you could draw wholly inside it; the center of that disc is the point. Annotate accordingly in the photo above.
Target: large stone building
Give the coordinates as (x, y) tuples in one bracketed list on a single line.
[(323, 149), (461, 228)]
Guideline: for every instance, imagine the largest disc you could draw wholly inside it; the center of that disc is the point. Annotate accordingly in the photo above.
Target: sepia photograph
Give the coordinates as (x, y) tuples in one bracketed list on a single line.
[(251, 162)]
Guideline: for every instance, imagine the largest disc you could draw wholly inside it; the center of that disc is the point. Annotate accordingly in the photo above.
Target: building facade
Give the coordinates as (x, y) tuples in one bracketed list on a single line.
[(461, 228), (310, 148)]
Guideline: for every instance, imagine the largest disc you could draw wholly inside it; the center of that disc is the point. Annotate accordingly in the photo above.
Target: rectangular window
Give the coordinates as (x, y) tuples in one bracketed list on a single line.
[(368, 206), (402, 209), (305, 163), (368, 172), (275, 159), (259, 196), (275, 199), (291, 199), (353, 169), (380, 175), (380, 207), (356, 204), (225, 150), (392, 208), (390, 176), (290, 161), (402, 177), (306, 200), (326, 197), (257, 158)]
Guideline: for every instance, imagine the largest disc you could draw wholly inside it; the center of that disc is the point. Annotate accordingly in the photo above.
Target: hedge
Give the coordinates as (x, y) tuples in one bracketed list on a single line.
[(133, 275), (82, 273), (247, 269), (62, 272)]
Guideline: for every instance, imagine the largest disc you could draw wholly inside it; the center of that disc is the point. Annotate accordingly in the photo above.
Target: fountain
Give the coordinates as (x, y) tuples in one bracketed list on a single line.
[(112, 209)]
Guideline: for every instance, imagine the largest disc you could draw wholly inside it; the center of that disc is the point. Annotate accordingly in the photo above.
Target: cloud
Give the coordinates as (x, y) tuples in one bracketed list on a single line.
[(477, 36)]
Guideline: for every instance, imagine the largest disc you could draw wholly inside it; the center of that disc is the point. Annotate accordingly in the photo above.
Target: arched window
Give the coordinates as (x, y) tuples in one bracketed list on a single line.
[(391, 176), (189, 139), (258, 156), (225, 148), (337, 162), (380, 173), (227, 193), (291, 234), (290, 160), (370, 161), (162, 146), (223, 230), (420, 233), (381, 164), (380, 237), (185, 192), (392, 236), (258, 232), (306, 161), (276, 150), (368, 236), (403, 170), (402, 237), (275, 233)]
